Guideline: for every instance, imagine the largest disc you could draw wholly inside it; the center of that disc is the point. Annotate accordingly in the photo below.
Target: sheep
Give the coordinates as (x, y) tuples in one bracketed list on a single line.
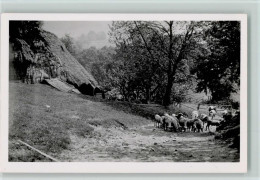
[(179, 115), (165, 121), (212, 123), (198, 125), (119, 97), (190, 123), (204, 118), (176, 121), (212, 108), (182, 121), (212, 114), (175, 124), (158, 120), (194, 114), (170, 122), (185, 122), (185, 114)]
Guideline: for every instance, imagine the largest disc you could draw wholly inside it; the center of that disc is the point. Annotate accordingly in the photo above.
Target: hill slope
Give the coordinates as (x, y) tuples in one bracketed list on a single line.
[(49, 129), (76, 128)]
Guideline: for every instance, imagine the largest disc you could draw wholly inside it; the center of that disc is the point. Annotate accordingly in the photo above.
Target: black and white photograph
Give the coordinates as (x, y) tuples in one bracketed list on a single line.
[(137, 90)]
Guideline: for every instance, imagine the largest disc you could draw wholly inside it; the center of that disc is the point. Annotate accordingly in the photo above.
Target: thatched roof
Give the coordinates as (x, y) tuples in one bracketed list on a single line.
[(76, 73), (62, 86), (27, 53), (51, 55)]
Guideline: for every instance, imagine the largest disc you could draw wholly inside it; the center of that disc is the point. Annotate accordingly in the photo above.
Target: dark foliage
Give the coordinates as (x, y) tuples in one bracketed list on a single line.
[(220, 70), (26, 30)]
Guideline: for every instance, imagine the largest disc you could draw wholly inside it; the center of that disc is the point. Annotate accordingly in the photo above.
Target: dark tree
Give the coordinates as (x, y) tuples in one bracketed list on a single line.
[(24, 30), (220, 70)]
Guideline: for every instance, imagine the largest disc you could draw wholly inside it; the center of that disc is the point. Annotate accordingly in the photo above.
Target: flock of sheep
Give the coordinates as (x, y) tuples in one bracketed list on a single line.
[(180, 122)]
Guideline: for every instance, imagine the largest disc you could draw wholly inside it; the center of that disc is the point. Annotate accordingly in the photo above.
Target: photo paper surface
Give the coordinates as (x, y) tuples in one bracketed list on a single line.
[(124, 93)]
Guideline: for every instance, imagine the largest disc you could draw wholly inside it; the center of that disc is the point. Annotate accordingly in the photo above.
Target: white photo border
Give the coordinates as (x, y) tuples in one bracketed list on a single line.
[(119, 167)]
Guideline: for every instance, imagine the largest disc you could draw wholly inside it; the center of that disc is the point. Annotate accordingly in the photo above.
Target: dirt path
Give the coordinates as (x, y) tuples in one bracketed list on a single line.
[(147, 144)]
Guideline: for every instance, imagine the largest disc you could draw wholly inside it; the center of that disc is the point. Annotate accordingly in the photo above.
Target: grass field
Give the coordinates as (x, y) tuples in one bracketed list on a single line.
[(84, 128), (48, 129)]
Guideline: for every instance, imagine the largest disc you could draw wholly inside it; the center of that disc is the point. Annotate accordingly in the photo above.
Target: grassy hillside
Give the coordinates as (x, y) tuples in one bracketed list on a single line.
[(84, 128), (49, 129)]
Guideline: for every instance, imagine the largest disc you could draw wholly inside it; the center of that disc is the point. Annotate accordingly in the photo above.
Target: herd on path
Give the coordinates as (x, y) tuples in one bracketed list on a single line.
[(180, 122)]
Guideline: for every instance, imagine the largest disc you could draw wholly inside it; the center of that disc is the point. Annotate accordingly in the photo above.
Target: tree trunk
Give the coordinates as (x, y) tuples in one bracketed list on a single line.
[(148, 95), (172, 67), (137, 95), (124, 93), (167, 95)]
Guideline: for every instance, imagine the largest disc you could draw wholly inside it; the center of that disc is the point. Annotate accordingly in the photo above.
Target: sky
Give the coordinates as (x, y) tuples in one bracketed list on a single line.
[(90, 33)]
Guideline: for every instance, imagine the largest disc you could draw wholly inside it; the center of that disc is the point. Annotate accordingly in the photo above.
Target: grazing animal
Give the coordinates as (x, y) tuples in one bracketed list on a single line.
[(190, 123), (158, 120), (119, 97), (182, 121), (198, 125), (194, 114), (170, 122), (212, 123), (204, 118), (179, 115), (185, 114), (212, 114), (212, 108)]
